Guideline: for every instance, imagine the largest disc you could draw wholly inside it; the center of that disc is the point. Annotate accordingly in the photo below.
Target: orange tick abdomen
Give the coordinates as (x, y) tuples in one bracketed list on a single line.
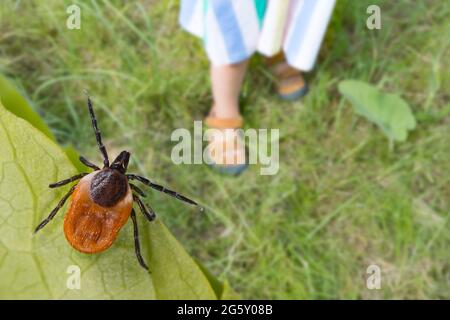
[(90, 227)]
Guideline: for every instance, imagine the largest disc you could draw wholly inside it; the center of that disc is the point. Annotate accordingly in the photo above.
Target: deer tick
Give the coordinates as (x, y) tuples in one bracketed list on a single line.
[(102, 202)]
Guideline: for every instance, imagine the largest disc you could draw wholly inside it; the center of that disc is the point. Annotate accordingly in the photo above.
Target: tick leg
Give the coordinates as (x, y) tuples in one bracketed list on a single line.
[(161, 188), (66, 181), (137, 189), (87, 163), (54, 211), (137, 246), (98, 136), (147, 212)]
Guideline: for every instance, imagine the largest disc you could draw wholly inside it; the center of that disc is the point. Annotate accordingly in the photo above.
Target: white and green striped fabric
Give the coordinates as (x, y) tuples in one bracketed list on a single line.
[(233, 30)]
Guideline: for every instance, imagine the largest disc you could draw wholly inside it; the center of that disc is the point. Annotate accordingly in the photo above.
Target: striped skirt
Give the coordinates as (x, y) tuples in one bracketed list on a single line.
[(233, 30)]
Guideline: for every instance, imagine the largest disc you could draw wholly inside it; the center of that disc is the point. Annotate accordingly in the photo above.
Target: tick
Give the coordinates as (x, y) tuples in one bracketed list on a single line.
[(102, 201)]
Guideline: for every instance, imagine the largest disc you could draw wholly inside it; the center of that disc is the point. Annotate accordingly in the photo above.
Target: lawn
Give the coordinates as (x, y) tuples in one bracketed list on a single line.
[(342, 199)]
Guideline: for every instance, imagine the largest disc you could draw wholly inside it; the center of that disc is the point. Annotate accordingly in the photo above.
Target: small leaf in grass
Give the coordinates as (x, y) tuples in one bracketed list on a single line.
[(388, 111), (35, 266)]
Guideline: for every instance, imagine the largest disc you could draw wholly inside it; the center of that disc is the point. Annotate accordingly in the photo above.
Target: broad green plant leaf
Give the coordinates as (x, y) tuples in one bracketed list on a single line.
[(14, 102), (44, 266), (223, 290), (74, 157), (388, 111), (190, 283)]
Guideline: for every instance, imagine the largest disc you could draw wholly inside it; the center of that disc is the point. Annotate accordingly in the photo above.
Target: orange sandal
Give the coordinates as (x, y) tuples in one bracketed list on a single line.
[(226, 151), (290, 82)]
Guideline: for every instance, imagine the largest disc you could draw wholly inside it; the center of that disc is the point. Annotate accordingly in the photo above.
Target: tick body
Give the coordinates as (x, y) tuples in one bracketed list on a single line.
[(90, 225), (102, 202)]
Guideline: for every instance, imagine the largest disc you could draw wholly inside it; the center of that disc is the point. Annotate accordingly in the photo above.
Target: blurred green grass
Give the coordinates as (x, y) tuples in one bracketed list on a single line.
[(341, 200)]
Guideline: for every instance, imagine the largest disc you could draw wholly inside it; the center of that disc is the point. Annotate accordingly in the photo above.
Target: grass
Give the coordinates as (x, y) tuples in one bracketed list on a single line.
[(341, 200)]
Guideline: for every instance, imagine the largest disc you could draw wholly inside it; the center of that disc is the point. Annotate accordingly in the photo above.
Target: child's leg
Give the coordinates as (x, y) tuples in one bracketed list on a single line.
[(226, 150), (226, 83)]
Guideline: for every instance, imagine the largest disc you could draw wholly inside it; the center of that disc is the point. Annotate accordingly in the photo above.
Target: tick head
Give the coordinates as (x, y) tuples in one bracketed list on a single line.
[(121, 162)]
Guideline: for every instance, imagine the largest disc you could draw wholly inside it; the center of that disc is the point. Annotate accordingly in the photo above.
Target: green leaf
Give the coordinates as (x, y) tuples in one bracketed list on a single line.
[(388, 111), (223, 290), (14, 102), (35, 266), (74, 157), (190, 281)]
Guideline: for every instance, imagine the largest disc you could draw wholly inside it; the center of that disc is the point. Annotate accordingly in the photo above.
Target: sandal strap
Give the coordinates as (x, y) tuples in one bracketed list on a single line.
[(224, 123), (279, 67), (290, 85), (273, 60), (283, 71)]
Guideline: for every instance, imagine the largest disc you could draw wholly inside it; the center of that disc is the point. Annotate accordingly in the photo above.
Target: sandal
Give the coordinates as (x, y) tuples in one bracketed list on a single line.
[(290, 82), (226, 150)]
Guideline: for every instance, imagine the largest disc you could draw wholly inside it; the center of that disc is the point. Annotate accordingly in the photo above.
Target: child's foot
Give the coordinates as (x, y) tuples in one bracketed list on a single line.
[(226, 150), (290, 82)]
